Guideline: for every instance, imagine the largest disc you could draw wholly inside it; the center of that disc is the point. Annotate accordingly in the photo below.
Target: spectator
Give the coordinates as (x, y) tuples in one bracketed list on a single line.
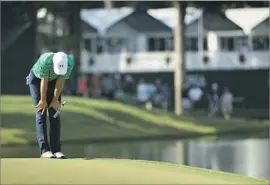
[(118, 92), (227, 103), (164, 92), (117, 81), (158, 86), (142, 92), (157, 93), (82, 87), (213, 100), (187, 104), (129, 89), (195, 94), (108, 87), (151, 89), (150, 95), (95, 86)]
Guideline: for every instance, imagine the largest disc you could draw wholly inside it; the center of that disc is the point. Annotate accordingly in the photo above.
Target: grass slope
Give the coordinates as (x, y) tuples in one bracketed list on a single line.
[(110, 171), (99, 119)]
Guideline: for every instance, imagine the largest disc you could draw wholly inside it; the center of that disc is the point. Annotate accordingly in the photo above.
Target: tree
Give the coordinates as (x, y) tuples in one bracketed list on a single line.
[(179, 56)]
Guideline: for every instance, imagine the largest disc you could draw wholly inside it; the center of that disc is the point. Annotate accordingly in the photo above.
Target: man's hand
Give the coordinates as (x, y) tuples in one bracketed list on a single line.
[(55, 104), (42, 106)]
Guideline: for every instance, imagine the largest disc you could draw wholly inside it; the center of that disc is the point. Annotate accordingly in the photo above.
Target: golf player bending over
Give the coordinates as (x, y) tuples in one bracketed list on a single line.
[(46, 81)]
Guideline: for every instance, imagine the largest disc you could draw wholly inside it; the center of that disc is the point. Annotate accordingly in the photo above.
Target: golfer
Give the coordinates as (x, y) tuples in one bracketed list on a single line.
[(46, 81)]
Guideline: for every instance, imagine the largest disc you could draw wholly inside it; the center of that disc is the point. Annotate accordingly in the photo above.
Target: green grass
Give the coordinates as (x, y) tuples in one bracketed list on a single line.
[(86, 119), (111, 171)]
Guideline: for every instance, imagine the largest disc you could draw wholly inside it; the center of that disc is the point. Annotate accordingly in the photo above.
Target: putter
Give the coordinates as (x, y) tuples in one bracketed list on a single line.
[(58, 111)]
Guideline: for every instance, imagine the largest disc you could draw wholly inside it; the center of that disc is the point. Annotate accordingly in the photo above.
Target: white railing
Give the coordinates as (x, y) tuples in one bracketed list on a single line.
[(107, 63), (165, 61)]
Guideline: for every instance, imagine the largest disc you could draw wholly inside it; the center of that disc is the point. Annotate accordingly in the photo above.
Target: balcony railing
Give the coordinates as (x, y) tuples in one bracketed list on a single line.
[(165, 61)]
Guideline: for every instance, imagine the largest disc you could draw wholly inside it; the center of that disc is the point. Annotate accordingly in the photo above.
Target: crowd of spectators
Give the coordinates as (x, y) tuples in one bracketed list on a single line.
[(155, 93), (123, 88)]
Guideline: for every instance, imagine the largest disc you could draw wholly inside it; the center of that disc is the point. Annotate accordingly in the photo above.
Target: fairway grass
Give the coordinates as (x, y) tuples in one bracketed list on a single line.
[(86, 119), (111, 171)]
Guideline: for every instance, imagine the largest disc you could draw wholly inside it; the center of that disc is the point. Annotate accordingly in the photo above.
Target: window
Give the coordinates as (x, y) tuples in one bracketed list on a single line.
[(241, 43), (227, 43), (88, 44), (187, 44), (205, 44), (191, 44), (161, 44), (223, 43), (99, 46), (230, 44), (260, 43), (157, 44), (151, 44)]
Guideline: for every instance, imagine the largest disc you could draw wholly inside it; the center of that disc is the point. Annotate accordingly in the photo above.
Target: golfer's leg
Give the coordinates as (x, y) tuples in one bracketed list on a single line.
[(55, 128), (55, 131), (41, 126)]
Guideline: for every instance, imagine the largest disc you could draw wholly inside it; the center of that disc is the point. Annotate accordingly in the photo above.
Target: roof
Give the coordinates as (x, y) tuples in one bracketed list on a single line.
[(169, 15), (149, 23), (87, 28), (265, 23), (214, 22), (247, 18), (107, 16)]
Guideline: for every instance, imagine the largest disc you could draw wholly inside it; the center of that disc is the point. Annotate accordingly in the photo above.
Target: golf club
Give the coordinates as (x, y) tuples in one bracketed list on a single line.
[(58, 111)]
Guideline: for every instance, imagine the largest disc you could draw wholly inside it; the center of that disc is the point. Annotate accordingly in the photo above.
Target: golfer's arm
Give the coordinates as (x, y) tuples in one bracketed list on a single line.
[(43, 89), (59, 86)]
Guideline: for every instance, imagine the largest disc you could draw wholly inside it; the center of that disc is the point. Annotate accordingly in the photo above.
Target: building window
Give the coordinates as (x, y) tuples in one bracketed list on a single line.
[(88, 44), (157, 44), (191, 44), (205, 44), (99, 46), (151, 44), (161, 44), (260, 43), (231, 44), (241, 44), (227, 43)]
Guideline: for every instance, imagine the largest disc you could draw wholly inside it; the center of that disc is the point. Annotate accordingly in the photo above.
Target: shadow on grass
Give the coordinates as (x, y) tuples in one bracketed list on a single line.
[(230, 127), (79, 127), (114, 125)]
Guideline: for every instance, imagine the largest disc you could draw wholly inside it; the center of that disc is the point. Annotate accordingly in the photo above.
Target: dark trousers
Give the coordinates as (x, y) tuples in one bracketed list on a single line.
[(53, 144)]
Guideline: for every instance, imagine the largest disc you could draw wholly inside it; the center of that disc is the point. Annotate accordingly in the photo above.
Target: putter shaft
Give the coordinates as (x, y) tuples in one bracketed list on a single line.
[(58, 111)]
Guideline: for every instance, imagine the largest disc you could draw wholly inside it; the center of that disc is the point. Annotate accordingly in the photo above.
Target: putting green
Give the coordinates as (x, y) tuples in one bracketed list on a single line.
[(110, 171)]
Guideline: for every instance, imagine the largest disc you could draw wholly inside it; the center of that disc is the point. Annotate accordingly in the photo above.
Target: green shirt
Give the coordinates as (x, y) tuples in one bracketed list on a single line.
[(43, 68)]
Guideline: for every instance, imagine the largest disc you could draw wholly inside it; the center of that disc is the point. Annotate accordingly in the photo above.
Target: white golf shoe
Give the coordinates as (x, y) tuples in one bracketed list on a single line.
[(47, 154), (60, 155)]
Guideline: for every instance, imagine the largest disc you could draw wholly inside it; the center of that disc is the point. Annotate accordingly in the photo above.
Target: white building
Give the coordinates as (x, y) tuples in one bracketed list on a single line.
[(127, 38), (140, 43)]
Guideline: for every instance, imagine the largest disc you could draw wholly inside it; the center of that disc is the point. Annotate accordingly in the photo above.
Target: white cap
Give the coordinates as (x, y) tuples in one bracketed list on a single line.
[(60, 63)]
